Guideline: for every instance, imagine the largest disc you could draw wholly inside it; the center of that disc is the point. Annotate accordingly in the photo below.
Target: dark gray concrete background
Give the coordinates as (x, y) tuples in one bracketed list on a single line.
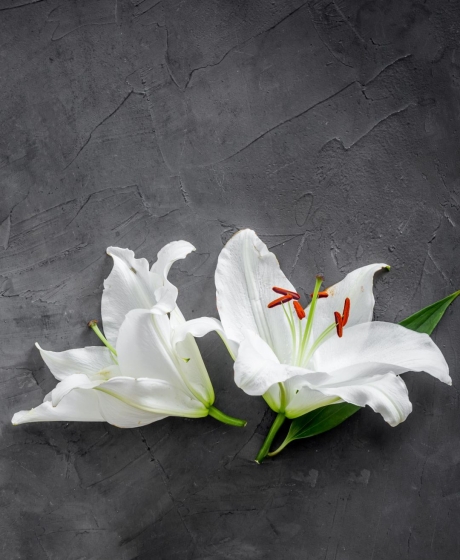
[(331, 128)]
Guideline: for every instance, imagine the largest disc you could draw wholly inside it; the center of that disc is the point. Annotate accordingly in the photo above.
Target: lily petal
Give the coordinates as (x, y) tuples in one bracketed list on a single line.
[(154, 395), (201, 327), (399, 348), (122, 415), (166, 293), (77, 381), (157, 358), (385, 393), (127, 287), (257, 367), (169, 254), (357, 286), (144, 348), (131, 285), (306, 400), (79, 405), (89, 361), (245, 275)]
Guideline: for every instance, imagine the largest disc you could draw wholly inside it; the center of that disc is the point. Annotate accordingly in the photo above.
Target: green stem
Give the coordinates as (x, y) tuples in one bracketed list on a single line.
[(280, 448), (283, 398), (222, 417), (93, 325), (279, 420)]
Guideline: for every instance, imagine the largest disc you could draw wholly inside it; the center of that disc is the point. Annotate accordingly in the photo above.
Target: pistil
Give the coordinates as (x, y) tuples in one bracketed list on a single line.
[(306, 335)]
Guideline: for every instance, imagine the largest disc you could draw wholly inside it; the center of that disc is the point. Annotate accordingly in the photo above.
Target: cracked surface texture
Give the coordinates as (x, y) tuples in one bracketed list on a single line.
[(329, 127)]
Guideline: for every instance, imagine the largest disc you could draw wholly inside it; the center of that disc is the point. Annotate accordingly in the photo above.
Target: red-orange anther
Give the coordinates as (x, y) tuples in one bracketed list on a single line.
[(299, 310), (285, 292), (279, 301), (338, 323), (346, 311), (321, 294)]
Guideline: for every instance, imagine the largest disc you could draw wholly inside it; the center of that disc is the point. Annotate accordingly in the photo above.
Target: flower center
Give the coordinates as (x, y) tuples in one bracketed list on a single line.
[(302, 350), (286, 297)]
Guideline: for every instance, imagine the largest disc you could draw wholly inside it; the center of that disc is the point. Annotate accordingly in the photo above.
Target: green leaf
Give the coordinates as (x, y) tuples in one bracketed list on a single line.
[(425, 320), (324, 419), (318, 421)]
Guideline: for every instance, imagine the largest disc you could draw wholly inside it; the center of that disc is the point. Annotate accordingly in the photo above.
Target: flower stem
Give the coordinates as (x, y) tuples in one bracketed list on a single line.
[(279, 420), (222, 417), (283, 398), (93, 325), (280, 448)]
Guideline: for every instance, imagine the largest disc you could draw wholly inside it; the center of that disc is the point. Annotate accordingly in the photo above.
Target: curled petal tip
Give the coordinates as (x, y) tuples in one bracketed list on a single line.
[(16, 420)]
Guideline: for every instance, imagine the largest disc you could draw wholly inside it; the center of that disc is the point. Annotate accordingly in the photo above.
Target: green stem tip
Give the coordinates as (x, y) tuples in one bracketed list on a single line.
[(222, 417), (279, 421), (93, 325)]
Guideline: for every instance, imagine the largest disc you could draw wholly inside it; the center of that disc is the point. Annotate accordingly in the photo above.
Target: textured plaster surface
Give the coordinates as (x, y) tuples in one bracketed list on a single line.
[(329, 127)]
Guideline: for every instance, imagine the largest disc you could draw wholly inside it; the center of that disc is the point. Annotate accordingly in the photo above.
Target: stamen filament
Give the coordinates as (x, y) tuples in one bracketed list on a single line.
[(306, 334), (93, 325), (318, 342), (291, 323), (293, 330)]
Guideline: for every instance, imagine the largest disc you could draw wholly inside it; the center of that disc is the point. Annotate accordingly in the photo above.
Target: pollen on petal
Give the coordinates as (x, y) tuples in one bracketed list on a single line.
[(346, 311), (299, 310), (279, 301), (285, 292), (338, 323)]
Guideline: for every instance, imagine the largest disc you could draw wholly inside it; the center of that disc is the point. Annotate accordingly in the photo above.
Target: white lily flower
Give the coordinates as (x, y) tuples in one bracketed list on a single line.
[(156, 369), (331, 352), (132, 285)]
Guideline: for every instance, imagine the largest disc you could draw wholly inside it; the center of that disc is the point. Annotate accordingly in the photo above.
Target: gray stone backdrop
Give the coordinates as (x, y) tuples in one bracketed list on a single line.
[(330, 127)]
